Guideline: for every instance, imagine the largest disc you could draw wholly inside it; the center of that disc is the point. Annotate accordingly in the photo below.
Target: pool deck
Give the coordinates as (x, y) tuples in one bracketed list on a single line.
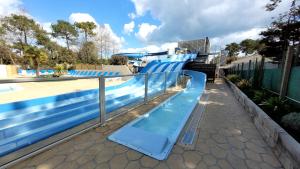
[(227, 139)]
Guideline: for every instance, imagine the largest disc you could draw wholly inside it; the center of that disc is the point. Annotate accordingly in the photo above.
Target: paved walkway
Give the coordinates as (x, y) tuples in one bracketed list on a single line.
[(227, 139)]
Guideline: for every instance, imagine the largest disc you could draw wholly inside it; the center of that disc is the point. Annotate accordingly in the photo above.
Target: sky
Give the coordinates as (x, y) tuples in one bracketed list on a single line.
[(156, 25)]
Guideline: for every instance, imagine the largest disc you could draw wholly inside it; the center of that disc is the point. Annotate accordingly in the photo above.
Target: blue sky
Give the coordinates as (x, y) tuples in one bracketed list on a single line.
[(113, 12), (154, 25)]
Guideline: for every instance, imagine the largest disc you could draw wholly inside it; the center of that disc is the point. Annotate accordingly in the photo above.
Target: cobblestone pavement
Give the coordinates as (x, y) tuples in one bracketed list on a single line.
[(227, 139)]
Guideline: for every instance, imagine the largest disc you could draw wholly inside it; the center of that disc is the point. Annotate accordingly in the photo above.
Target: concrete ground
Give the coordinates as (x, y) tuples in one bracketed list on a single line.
[(31, 90), (227, 139)]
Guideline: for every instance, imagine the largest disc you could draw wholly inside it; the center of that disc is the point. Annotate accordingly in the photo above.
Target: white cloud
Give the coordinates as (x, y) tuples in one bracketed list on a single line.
[(81, 17), (84, 17), (220, 42), (170, 46), (119, 41), (129, 27), (132, 15), (141, 6), (145, 30), (8, 7), (191, 19), (46, 26)]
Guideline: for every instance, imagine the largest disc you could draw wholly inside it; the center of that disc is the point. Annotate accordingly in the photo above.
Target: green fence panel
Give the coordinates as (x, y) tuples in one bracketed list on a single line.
[(272, 79), (294, 84), (244, 74)]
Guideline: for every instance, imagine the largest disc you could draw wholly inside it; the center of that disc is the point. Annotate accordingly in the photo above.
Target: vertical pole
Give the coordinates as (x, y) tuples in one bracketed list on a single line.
[(146, 88), (249, 69), (242, 69), (255, 75), (233, 70), (255, 62), (238, 69), (286, 72), (102, 99), (261, 71), (176, 82), (165, 82)]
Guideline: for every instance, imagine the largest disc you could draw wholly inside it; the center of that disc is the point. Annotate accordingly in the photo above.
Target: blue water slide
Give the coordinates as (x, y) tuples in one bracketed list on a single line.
[(26, 122), (163, 124)]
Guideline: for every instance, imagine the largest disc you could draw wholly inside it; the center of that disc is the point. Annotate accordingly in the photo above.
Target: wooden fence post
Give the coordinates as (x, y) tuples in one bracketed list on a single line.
[(242, 69), (249, 69), (286, 72), (261, 71)]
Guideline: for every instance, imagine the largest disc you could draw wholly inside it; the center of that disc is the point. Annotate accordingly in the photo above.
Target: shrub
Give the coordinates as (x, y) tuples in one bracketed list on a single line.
[(292, 121), (234, 78), (259, 96), (230, 59), (59, 70), (118, 60), (244, 84), (276, 107)]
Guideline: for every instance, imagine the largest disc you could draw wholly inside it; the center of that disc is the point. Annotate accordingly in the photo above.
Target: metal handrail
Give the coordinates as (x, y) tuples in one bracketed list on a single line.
[(24, 80)]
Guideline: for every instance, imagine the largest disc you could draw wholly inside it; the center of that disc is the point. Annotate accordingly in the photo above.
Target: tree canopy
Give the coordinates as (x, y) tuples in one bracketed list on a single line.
[(87, 28), (24, 42), (88, 53), (233, 49), (65, 30), (283, 32), (249, 46), (36, 57), (21, 29)]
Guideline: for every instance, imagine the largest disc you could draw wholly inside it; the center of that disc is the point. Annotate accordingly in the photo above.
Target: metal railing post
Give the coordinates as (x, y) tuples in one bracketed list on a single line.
[(176, 82), (102, 99), (165, 82), (146, 88)]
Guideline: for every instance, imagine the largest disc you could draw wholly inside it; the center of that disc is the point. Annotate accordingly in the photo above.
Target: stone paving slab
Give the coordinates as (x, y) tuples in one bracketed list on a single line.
[(227, 139)]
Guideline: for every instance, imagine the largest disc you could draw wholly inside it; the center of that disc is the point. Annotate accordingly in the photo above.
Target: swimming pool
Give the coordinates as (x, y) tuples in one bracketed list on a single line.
[(156, 132)]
